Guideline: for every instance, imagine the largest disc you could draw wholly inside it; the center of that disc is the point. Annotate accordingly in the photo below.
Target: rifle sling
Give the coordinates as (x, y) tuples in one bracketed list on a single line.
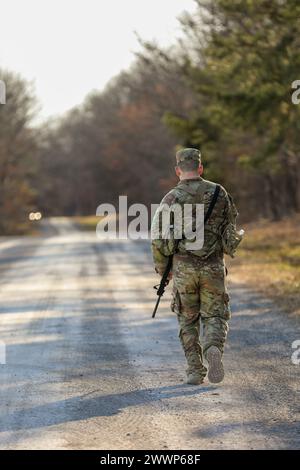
[(212, 203)]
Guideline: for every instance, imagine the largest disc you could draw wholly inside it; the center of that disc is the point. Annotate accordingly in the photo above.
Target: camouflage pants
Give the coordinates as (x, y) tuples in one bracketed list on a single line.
[(199, 294)]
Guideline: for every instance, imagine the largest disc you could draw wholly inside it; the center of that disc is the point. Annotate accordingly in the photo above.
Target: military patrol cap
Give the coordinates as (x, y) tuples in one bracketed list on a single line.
[(188, 154)]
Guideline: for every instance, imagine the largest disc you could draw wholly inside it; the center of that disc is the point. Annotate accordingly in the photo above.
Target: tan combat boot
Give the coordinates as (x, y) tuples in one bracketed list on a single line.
[(215, 365), (194, 378)]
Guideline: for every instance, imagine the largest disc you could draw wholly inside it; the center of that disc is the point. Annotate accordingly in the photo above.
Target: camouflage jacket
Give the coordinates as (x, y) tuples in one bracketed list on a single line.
[(220, 234)]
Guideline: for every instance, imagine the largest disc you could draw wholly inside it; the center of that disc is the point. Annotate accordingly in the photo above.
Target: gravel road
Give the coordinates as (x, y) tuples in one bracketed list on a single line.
[(87, 367)]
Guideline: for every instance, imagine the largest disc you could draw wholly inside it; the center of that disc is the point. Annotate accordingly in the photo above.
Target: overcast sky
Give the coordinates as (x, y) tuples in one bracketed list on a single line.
[(69, 47)]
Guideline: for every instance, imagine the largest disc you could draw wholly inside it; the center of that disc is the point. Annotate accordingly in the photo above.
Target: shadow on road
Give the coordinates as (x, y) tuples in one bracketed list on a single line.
[(83, 407)]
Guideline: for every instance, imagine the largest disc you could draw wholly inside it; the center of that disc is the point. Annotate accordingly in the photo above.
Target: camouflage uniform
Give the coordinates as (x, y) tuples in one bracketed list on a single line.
[(199, 290)]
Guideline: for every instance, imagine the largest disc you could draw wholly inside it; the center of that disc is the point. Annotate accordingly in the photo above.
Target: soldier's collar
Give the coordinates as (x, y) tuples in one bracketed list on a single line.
[(197, 178)]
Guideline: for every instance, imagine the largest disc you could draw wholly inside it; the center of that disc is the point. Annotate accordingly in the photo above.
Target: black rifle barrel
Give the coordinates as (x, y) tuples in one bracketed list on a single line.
[(163, 284)]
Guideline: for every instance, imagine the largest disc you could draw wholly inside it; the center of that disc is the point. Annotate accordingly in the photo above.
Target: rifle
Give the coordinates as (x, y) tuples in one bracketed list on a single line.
[(163, 284), (160, 288)]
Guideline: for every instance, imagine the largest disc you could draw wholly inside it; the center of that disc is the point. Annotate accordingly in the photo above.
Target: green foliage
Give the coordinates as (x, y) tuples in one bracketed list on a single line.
[(244, 80), (241, 58)]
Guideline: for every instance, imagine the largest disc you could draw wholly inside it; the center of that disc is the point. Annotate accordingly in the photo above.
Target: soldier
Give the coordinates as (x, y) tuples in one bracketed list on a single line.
[(199, 291)]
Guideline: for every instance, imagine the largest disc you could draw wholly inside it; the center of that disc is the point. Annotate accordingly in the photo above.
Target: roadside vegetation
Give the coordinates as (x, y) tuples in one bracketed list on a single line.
[(269, 261)]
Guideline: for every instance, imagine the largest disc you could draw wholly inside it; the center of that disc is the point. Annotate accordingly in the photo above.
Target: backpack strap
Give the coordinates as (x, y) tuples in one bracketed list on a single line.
[(212, 203)]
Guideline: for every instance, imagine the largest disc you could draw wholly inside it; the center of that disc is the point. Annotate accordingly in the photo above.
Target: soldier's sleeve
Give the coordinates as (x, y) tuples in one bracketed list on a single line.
[(231, 238), (231, 210), (158, 245)]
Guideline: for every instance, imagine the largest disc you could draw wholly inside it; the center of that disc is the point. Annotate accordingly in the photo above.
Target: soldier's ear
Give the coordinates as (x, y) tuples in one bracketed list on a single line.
[(177, 171), (200, 169)]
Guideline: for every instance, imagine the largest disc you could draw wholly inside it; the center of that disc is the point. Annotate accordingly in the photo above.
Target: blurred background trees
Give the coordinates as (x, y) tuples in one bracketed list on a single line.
[(18, 151), (246, 59), (225, 88), (114, 144)]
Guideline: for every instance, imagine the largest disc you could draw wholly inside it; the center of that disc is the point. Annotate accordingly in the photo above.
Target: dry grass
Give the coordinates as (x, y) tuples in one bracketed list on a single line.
[(269, 260)]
